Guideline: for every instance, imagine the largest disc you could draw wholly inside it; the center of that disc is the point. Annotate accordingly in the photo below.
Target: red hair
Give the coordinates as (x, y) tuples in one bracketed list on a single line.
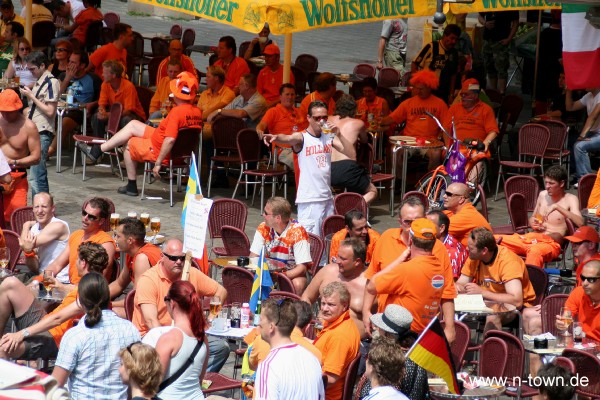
[(184, 294), (425, 77)]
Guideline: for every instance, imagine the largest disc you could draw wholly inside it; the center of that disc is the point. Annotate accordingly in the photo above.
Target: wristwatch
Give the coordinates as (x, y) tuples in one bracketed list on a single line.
[(25, 333)]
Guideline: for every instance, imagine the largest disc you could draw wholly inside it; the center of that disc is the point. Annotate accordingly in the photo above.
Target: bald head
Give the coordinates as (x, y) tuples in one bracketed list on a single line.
[(457, 195), (173, 246), (175, 48)]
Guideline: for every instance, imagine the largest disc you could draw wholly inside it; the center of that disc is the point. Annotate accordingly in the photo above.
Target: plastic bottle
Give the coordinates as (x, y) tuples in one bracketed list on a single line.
[(70, 95), (257, 314), (245, 316)]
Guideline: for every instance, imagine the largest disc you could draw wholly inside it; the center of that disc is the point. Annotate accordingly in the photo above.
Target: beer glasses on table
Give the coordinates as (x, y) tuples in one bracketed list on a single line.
[(155, 226), (114, 222), (132, 214), (215, 306), (145, 218), (4, 260), (567, 319), (48, 282)]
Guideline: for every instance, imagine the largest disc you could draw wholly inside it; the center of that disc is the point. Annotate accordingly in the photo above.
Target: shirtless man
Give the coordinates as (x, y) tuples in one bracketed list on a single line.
[(548, 221), (349, 270), (45, 238), (20, 143), (345, 171)]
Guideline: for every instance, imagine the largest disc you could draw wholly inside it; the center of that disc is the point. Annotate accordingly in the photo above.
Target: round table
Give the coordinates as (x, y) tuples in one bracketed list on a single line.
[(494, 308), (476, 393)]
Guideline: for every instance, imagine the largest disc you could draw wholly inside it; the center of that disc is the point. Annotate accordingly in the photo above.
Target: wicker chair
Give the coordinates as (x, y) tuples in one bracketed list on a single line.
[(238, 283), (316, 252), (539, 279), (366, 70), (587, 365), (584, 189), (223, 212), (19, 217), (551, 306), (235, 241), (388, 77), (347, 201)]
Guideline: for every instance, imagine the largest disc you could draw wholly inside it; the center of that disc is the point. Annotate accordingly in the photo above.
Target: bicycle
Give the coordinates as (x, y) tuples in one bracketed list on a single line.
[(456, 167)]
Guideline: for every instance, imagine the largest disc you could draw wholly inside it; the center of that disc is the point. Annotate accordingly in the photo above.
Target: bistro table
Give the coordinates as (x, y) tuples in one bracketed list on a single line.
[(482, 392), (60, 110), (200, 48), (349, 78)]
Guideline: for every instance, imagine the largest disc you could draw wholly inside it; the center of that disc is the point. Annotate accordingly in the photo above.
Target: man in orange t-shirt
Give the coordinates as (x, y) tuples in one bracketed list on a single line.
[(163, 90), (325, 87), (234, 66), (464, 217), (584, 302), (584, 242), (117, 50), (370, 102), (270, 78), (358, 227), (146, 143), (175, 54)]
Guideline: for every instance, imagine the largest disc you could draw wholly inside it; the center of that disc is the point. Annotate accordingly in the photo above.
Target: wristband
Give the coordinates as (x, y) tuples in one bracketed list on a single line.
[(30, 254)]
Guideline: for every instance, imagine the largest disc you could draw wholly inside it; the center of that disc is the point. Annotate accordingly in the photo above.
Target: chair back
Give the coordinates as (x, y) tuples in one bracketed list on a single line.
[(458, 348), (106, 35), (350, 379), (116, 110), (310, 79), (307, 63), (243, 48), (558, 135), (366, 70), (566, 363), (299, 82), (248, 146), (332, 224), (153, 70), (516, 353), (587, 365), (347, 201), (493, 357), (388, 77), (526, 185), (285, 284), (145, 95), (187, 39), (483, 202), (388, 95), (19, 217), (93, 36), (176, 31), (160, 47), (494, 95), (317, 246), (518, 213), (225, 130), (42, 33), (235, 241), (229, 212), (420, 195), (278, 294), (136, 49), (551, 306), (533, 140), (130, 304), (511, 104), (238, 283), (539, 280), (110, 19), (12, 243), (584, 189)]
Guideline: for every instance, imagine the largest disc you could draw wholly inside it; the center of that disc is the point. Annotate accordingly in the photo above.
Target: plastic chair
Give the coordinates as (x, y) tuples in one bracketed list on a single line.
[(378, 178), (243, 47), (145, 95), (130, 304), (493, 356), (551, 306), (42, 33), (176, 31), (533, 141), (584, 189), (19, 217), (587, 365), (422, 196), (566, 363), (153, 70), (187, 39), (238, 282), (527, 185), (139, 59), (284, 284), (350, 380), (225, 130), (518, 213), (278, 294), (461, 342), (111, 18), (539, 279), (307, 63), (388, 77), (160, 47), (483, 202), (223, 212), (187, 141), (235, 241), (344, 202), (12, 243), (249, 149), (316, 252), (366, 70), (332, 224), (220, 383), (557, 145)]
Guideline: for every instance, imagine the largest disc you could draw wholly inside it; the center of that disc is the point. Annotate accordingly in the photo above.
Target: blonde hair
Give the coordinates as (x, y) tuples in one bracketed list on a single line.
[(143, 365)]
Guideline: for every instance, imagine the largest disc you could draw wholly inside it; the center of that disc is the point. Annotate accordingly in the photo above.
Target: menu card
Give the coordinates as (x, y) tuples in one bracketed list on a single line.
[(470, 303)]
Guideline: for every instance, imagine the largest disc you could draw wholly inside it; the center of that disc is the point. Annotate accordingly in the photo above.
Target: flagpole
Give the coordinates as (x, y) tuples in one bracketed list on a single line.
[(422, 333), (260, 277)]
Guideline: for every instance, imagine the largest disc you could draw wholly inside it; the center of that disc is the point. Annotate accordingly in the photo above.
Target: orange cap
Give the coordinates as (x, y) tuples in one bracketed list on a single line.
[(271, 49), (10, 101), (184, 86), (583, 234), (423, 228), (471, 84)]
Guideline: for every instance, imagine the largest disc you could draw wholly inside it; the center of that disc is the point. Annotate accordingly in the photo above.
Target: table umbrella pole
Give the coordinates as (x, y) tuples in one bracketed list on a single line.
[(287, 57)]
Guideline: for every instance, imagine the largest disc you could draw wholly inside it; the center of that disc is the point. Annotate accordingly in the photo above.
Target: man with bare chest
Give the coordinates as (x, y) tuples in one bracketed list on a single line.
[(548, 221), (345, 171), (20, 143), (348, 269)]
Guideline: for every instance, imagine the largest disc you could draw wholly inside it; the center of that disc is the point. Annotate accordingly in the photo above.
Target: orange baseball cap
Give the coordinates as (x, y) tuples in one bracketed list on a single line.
[(10, 101), (471, 84), (423, 228), (583, 234), (271, 49), (184, 86)]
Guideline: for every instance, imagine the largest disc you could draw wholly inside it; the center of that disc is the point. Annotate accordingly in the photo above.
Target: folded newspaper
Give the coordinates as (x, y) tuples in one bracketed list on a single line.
[(470, 303)]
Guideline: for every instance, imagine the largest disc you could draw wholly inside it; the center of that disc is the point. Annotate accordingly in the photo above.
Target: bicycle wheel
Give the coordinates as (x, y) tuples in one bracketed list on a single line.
[(437, 188), (477, 175)]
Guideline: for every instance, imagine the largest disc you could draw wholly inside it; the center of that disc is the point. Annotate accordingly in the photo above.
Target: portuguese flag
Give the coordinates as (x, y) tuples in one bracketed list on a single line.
[(581, 48), (431, 351)]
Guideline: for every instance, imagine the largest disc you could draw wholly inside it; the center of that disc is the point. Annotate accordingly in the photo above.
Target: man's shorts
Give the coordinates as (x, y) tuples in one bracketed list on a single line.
[(41, 345), (496, 57), (350, 175), (141, 149)]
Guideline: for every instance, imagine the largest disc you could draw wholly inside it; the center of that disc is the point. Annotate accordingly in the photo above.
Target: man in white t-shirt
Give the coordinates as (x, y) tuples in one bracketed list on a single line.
[(589, 138), (277, 377)]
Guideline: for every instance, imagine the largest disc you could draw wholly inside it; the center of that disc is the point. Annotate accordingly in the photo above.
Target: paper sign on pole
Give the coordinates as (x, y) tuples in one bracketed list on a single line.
[(196, 222)]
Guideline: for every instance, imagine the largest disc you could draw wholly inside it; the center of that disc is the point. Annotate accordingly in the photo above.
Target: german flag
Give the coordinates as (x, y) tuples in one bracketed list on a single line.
[(431, 351)]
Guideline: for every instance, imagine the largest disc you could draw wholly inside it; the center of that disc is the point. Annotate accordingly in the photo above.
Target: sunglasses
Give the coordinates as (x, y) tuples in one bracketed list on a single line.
[(24, 49), (131, 346), (89, 216), (450, 194), (321, 118), (61, 49), (590, 279), (175, 258), (407, 222)]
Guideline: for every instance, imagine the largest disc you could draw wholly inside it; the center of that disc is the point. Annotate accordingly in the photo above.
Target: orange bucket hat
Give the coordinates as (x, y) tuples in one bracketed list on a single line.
[(10, 101), (184, 86)]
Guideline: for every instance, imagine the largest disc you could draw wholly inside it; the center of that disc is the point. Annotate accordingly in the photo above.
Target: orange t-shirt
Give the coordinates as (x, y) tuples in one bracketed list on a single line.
[(507, 266), (126, 95), (581, 265), (314, 96), (154, 254), (339, 342), (163, 90), (234, 71), (342, 234), (75, 240), (464, 221), (416, 285), (107, 52), (59, 331), (182, 116), (364, 109), (269, 82), (594, 199), (474, 124), (83, 20), (281, 120), (586, 313), (419, 124)]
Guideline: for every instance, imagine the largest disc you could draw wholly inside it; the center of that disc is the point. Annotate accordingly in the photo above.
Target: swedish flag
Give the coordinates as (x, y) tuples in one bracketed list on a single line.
[(193, 187), (263, 284)]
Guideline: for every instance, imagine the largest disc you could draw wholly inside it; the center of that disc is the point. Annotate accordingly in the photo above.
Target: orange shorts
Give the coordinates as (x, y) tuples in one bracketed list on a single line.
[(141, 149)]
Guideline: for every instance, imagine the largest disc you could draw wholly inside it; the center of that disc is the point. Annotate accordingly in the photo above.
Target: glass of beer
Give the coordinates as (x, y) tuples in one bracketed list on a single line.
[(247, 385), (48, 282), (155, 226), (114, 221), (318, 327), (4, 260), (215, 305), (567, 319), (132, 214), (145, 218)]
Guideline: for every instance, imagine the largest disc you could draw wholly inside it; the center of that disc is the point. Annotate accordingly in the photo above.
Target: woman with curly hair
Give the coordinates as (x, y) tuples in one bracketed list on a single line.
[(18, 67), (385, 369), (141, 370), (89, 353)]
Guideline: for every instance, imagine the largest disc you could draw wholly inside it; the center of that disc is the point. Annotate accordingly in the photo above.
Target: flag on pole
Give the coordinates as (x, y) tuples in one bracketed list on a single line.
[(262, 282), (193, 188), (581, 47), (431, 351)]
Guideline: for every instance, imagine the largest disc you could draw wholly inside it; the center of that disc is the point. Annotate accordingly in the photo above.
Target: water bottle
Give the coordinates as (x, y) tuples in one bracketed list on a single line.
[(245, 316), (70, 94)]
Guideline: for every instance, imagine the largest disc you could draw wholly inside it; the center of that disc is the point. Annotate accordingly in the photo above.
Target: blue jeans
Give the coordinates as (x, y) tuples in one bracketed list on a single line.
[(38, 174), (581, 150), (218, 352)]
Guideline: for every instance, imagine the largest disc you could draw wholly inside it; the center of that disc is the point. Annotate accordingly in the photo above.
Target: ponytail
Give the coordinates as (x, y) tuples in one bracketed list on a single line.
[(94, 297)]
